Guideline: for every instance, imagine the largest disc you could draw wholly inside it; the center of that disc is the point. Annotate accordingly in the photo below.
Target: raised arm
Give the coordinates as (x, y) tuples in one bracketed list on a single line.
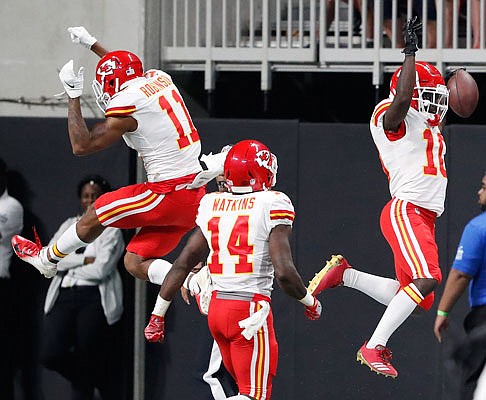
[(101, 136), (80, 35), (404, 91)]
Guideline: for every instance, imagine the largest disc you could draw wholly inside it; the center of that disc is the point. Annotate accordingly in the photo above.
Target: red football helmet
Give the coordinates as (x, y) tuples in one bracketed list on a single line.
[(250, 167), (430, 94), (113, 70)]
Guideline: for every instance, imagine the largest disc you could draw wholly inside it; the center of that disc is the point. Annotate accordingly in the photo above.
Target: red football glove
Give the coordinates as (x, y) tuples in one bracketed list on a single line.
[(154, 331), (313, 312)]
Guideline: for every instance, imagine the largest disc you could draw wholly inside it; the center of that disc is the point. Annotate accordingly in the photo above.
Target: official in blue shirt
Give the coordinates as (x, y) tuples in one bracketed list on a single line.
[(468, 269)]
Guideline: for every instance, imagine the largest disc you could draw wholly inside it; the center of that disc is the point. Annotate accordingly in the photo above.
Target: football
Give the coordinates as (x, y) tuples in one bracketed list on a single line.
[(463, 93)]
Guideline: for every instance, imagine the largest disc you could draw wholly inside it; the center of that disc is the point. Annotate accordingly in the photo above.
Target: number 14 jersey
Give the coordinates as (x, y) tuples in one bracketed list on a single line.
[(237, 229)]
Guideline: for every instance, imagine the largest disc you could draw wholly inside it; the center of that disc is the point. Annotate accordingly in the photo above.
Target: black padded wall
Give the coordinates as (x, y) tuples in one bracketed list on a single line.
[(333, 175), (43, 176)]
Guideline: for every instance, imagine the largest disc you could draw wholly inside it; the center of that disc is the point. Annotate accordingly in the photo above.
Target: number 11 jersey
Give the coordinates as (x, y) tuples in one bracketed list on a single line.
[(165, 138)]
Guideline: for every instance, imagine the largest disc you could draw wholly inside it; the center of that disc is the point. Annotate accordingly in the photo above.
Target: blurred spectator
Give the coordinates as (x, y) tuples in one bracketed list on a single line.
[(476, 23), (83, 301), (387, 22), (430, 27), (449, 19), (11, 223), (468, 269)]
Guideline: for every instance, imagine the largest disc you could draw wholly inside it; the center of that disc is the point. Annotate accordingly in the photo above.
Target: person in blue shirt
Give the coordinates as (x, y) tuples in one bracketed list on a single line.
[(468, 269)]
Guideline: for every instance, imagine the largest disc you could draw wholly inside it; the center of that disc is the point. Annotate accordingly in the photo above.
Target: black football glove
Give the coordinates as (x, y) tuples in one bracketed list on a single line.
[(410, 36)]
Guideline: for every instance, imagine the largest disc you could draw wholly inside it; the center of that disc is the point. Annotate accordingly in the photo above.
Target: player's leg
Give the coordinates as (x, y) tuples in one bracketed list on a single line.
[(410, 233), (141, 259), (255, 360), (253, 363), (338, 272), (45, 259), (209, 376), (164, 219)]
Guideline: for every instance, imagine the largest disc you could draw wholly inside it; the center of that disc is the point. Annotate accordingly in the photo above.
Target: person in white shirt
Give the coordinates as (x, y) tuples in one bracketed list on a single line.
[(11, 223), (83, 301)]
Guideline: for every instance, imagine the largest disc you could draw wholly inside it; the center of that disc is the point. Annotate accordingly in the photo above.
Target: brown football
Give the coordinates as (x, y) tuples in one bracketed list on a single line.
[(463, 93)]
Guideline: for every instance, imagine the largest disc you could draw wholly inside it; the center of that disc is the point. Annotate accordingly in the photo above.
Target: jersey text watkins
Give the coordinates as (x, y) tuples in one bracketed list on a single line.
[(245, 203)]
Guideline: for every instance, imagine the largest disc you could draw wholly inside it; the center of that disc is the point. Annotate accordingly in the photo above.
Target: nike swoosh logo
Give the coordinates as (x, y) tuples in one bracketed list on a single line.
[(71, 86)]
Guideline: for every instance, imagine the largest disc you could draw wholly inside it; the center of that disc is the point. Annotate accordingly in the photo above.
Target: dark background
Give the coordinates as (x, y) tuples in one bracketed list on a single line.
[(306, 96), (332, 173)]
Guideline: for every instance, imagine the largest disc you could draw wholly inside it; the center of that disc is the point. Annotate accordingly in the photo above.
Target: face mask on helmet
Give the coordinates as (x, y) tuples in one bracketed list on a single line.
[(250, 167), (430, 95), (112, 72)]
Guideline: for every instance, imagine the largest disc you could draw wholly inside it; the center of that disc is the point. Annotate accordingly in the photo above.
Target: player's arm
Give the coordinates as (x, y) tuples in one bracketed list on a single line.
[(101, 135), (456, 284), (98, 49), (194, 251), (285, 272), (80, 35), (406, 81)]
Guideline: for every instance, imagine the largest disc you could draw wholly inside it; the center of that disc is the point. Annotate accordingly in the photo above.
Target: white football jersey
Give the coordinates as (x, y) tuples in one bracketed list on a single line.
[(166, 138), (413, 160), (237, 229)]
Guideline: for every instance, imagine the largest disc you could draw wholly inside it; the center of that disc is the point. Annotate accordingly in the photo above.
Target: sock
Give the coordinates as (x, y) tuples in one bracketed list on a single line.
[(161, 306), (66, 244), (399, 309), (381, 289), (158, 270)]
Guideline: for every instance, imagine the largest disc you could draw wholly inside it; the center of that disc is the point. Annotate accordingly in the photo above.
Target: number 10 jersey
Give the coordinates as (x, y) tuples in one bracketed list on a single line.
[(412, 158)]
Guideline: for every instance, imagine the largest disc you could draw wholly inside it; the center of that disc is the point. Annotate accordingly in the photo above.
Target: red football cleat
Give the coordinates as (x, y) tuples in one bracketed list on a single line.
[(330, 276), (34, 254), (378, 359), (154, 331)]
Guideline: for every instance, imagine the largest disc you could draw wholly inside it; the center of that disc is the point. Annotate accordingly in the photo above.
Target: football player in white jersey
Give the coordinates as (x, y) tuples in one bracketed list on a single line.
[(245, 235), (406, 129), (146, 110)]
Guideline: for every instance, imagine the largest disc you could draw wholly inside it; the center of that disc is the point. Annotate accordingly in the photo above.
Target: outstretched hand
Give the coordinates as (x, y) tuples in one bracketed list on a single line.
[(313, 312), (72, 82), (80, 35), (154, 331), (412, 27), (440, 325)]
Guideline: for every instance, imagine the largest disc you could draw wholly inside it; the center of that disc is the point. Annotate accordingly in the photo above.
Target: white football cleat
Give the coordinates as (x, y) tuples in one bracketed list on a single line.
[(201, 286)]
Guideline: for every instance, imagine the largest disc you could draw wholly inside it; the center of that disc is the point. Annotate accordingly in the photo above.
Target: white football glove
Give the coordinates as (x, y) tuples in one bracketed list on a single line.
[(72, 82), (80, 35)]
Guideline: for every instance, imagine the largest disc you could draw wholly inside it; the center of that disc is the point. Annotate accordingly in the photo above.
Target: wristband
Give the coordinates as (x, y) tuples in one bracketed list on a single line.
[(442, 313), (307, 300), (161, 306)]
